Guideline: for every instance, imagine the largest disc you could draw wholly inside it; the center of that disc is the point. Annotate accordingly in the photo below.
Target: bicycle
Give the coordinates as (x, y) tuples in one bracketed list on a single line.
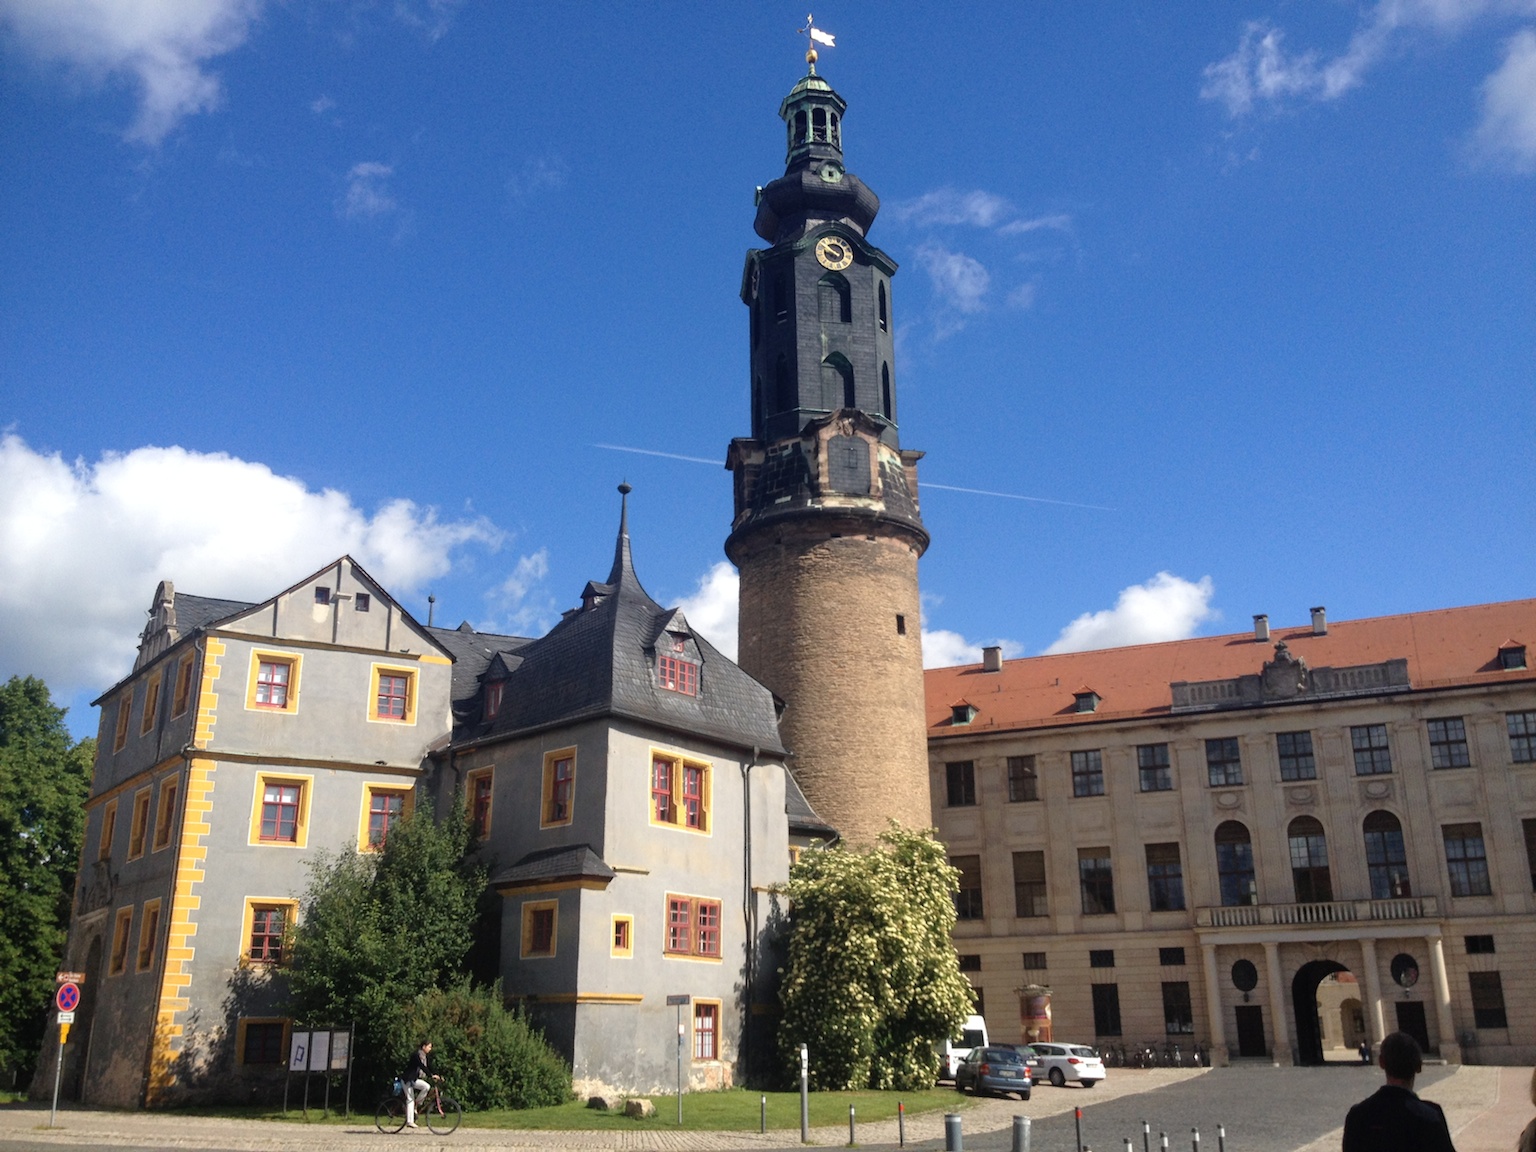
[(442, 1113)]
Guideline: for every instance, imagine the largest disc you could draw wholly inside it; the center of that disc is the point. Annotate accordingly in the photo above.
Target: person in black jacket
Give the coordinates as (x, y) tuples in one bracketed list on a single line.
[(1395, 1120), (416, 1081)]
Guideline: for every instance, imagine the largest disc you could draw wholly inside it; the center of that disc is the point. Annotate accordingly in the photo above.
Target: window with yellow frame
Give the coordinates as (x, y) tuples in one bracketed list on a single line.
[(120, 735), (139, 825), (622, 939), (149, 932), (280, 809), (392, 695), (384, 806), (273, 682), (151, 703), (706, 1029), (681, 792), (122, 927), (268, 930), (479, 788), (108, 830), (559, 794), (165, 812), (261, 1041), (541, 923), (181, 697)]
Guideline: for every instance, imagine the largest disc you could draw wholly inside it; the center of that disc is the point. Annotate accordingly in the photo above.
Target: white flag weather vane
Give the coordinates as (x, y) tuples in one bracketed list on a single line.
[(816, 36)]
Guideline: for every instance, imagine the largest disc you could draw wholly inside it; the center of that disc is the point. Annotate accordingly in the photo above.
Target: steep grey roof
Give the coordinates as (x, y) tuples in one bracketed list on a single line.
[(600, 660), (575, 862), (802, 817), (194, 612), (472, 652)]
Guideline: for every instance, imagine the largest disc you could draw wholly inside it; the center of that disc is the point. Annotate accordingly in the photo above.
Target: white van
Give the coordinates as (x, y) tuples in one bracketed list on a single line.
[(973, 1034)]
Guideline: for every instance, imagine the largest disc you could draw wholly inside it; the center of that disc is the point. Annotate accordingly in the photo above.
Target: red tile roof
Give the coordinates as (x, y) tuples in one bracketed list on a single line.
[(1444, 648)]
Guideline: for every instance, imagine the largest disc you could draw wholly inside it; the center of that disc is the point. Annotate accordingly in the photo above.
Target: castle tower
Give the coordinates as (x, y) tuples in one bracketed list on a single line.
[(827, 532)]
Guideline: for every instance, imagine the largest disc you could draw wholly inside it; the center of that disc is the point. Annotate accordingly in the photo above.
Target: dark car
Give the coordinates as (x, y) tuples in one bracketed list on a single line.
[(994, 1070)]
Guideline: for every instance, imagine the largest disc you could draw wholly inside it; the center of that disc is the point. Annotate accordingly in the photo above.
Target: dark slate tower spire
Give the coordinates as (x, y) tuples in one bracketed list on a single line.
[(827, 531)]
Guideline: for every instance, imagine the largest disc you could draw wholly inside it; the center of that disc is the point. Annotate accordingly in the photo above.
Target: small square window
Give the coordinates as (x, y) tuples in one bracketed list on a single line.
[(622, 944), (261, 1042), (267, 928), (392, 696), (362, 602), (970, 962), (322, 594), (1170, 957), (1479, 945), (677, 675), (1101, 958), (1512, 657), (273, 678), (1034, 961)]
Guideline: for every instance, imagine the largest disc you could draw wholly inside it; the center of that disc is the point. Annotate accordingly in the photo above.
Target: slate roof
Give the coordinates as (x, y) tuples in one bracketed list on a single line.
[(1444, 648), (574, 862), (472, 653), (600, 661), (802, 817), (194, 612)]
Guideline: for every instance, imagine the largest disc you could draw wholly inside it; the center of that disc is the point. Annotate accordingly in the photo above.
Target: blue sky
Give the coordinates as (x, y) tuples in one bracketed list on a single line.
[(1242, 292)]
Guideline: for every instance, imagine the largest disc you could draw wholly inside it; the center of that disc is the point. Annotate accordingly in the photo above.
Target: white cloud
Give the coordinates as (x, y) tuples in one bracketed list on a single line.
[(163, 45), (82, 546), (1022, 297), (944, 649), (540, 174), (712, 607), (521, 603), (1059, 222), (1507, 130), (959, 281), (321, 104), (367, 193), (1166, 607), (952, 206)]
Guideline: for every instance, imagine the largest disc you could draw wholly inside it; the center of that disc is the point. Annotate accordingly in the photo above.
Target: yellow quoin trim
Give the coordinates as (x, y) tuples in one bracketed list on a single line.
[(191, 853), (277, 656)]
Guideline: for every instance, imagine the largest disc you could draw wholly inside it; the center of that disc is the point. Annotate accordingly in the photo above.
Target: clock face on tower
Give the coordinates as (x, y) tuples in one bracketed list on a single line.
[(834, 252)]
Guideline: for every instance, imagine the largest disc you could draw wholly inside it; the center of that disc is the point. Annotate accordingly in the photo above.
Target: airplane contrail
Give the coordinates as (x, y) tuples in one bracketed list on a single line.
[(925, 483)]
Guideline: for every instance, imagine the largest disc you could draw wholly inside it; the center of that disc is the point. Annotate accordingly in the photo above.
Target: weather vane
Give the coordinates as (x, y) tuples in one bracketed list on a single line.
[(815, 36)]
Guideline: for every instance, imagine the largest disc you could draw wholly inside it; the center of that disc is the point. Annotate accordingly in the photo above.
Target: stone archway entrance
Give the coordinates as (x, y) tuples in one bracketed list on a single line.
[(1309, 1029)]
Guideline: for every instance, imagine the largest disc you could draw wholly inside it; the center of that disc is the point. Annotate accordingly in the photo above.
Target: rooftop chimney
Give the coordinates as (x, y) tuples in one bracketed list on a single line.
[(1319, 621), (1260, 628), (992, 659)]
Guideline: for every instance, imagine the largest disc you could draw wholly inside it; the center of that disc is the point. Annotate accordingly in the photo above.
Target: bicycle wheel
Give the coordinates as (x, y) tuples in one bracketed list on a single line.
[(390, 1115), (445, 1117)]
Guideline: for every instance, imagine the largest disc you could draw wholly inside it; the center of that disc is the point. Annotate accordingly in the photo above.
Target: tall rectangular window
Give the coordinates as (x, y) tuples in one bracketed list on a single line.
[(1165, 878), (386, 807), (1448, 743), (1096, 881), (541, 921), (269, 924), (165, 814), (1529, 828), (149, 934), (1023, 785), (706, 1030), (122, 926), (1178, 1012), (960, 782), (392, 699), (559, 788), (677, 675), (151, 704), (1522, 736), (1223, 762), (1466, 859), (272, 678), (108, 831), (1487, 1000), (280, 811), (1106, 1010), (1296, 759), (139, 826), (120, 734), (1372, 756), (661, 791), (1029, 884), (480, 791), (1088, 773), (968, 897), (182, 696), (1152, 768)]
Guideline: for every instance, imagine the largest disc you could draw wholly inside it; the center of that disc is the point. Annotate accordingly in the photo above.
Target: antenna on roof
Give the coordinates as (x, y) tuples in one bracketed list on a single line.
[(431, 605)]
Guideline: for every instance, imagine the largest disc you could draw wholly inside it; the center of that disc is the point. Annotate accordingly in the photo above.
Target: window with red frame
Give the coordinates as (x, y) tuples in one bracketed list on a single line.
[(480, 806), (661, 790), (272, 683), (384, 812), (541, 932), (693, 926), (693, 797), (280, 812), (267, 928), (558, 803), (677, 675), (706, 1031), (493, 693), (392, 695)]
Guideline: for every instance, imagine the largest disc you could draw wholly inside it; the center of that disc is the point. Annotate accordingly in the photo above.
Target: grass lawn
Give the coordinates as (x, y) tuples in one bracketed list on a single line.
[(736, 1110)]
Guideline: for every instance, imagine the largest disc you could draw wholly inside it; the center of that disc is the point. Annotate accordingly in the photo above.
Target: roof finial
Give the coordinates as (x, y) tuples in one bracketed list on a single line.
[(815, 36), (622, 563)]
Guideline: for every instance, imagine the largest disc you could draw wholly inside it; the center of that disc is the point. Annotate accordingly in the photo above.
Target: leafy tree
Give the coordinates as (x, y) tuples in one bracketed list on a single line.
[(872, 981), (379, 929), (44, 780)]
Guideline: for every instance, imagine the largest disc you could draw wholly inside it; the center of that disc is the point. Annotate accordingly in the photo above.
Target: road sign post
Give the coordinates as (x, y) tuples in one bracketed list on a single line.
[(66, 1000), (680, 1001)]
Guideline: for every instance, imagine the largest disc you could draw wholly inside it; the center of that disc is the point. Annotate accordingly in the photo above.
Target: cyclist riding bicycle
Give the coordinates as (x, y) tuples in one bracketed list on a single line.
[(415, 1078)]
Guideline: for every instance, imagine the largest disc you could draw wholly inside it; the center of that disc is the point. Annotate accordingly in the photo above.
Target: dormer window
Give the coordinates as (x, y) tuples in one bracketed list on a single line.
[(1087, 700), (493, 694), (961, 713), (1512, 657), (677, 675)]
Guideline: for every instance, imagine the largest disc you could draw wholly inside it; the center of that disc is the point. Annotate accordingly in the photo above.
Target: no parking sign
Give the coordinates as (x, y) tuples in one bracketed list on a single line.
[(67, 998)]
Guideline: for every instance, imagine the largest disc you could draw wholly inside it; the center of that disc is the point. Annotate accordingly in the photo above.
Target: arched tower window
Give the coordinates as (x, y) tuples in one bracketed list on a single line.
[(800, 127), (1309, 861), (783, 396), (780, 299), (835, 299), (885, 392), (837, 136), (818, 124), (1234, 864), (885, 325), (1386, 857), (837, 382)]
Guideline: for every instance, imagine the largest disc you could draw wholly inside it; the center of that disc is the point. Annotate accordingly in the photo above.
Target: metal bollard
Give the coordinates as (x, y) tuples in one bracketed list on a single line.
[(851, 1140), (1021, 1134), (1077, 1118), (1146, 1137), (901, 1124), (1194, 1143), (1127, 1144), (762, 1114), (953, 1140), (1163, 1138), (1221, 1138)]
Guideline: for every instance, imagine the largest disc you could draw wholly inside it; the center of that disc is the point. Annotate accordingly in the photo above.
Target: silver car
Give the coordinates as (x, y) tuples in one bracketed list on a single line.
[(1062, 1062)]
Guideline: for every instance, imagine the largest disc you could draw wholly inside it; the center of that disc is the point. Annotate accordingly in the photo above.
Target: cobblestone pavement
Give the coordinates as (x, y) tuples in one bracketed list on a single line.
[(1264, 1109)]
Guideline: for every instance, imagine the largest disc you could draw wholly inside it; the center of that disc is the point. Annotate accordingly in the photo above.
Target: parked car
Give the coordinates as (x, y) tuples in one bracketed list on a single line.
[(994, 1070), (973, 1033), (1062, 1062)]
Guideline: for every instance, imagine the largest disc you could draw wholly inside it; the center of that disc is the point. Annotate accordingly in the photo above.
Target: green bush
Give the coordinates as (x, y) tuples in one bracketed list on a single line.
[(487, 1055)]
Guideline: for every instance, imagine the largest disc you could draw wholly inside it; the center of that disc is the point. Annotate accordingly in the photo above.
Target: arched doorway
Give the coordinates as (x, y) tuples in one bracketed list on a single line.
[(1309, 1033)]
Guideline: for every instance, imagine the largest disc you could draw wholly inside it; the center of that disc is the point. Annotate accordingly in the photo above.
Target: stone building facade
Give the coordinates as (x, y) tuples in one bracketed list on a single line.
[(1267, 843)]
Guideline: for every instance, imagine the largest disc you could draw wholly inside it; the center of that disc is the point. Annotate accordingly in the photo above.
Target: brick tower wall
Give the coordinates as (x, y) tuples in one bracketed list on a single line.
[(818, 626)]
